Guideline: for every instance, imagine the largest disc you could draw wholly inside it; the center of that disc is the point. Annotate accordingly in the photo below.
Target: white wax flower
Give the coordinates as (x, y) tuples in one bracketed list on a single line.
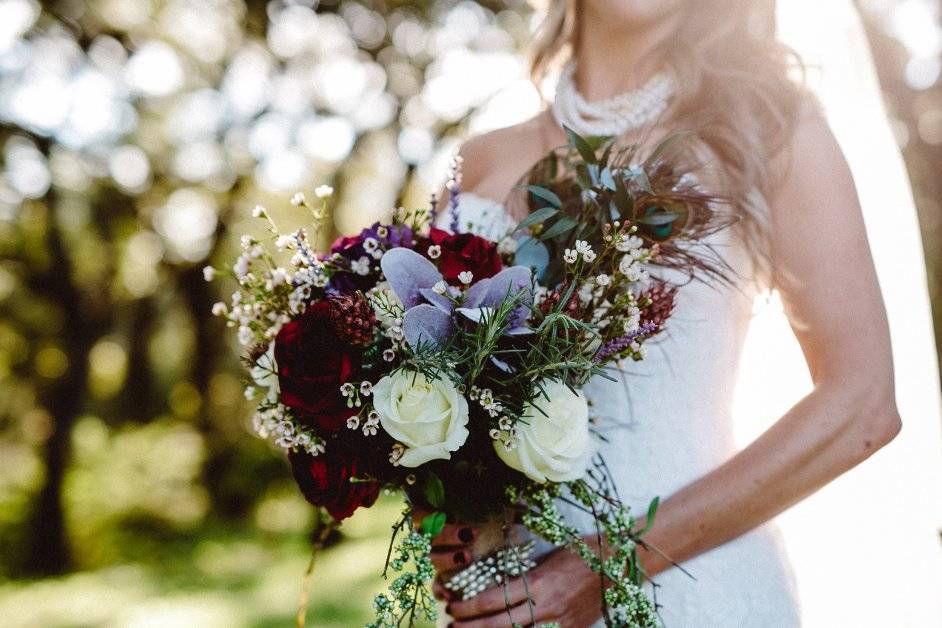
[(429, 418), (553, 442)]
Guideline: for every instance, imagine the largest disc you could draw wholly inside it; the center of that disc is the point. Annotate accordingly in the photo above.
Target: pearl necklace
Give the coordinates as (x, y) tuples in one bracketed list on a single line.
[(613, 116)]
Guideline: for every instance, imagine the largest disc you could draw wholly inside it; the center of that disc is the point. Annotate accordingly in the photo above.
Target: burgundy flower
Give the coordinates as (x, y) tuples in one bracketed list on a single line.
[(465, 252), (313, 362), (325, 480), (348, 246)]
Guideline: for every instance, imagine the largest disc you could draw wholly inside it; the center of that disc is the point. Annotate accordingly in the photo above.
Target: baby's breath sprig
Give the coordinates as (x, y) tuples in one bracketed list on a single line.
[(409, 597)]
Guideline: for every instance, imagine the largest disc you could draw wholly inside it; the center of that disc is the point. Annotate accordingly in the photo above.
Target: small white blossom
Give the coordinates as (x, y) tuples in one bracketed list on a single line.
[(507, 246), (369, 430), (389, 355), (246, 241), (434, 251), (209, 273), (249, 392), (298, 199), (630, 243), (245, 335), (570, 256), (323, 191), (366, 388), (370, 244), (258, 211), (220, 309), (632, 269), (241, 267), (603, 280), (347, 389), (382, 231), (505, 423), (466, 277), (440, 288), (494, 434), (589, 256), (284, 242), (353, 422), (361, 266), (278, 277), (583, 247)]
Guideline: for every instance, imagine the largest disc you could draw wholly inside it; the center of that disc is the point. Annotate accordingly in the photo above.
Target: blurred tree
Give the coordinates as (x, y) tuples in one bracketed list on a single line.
[(136, 136), (907, 41)]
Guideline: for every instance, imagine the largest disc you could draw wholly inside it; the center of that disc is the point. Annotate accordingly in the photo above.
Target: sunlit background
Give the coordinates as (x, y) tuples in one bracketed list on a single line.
[(136, 135)]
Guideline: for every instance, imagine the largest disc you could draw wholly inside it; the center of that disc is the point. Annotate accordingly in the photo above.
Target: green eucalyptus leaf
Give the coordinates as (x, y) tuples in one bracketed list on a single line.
[(537, 217), (641, 178), (607, 179), (434, 491), (581, 145), (546, 194), (594, 174), (532, 253), (559, 227), (433, 524), (659, 219)]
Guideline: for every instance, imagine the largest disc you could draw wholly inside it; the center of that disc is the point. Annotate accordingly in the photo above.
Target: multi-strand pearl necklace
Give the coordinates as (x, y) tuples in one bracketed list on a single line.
[(615, 116)]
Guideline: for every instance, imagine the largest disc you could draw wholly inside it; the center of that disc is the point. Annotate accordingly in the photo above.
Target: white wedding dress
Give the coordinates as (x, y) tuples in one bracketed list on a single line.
[(668, 421)]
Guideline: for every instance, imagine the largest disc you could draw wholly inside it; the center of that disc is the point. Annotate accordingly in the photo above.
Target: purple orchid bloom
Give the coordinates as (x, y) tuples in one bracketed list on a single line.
[(429, 315)]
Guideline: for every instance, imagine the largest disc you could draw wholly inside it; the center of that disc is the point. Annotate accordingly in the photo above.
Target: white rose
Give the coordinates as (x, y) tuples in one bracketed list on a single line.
[(553, 442), (428, 417)]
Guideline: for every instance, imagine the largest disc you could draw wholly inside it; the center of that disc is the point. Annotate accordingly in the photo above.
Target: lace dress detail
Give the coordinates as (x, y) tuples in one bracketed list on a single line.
[(668, 421)]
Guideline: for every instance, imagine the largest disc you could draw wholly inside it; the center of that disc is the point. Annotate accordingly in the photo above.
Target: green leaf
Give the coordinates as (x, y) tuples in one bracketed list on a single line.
[(533, 254), (560, 227), (652, 510), (659, 219), (433, 524), (581, 145), (537, 217), (607, 179), (547, 195), (641, 178), (434, 491)]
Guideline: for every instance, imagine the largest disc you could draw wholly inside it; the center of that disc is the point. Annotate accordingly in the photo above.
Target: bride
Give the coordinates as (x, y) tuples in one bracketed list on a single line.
[(711, 68)]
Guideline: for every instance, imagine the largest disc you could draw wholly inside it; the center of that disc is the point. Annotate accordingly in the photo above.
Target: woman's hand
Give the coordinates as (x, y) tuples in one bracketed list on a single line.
[(451, 549), (562, 588)]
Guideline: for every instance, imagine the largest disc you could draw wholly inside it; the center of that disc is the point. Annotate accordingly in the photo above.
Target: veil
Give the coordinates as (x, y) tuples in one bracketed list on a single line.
[(866, 548)]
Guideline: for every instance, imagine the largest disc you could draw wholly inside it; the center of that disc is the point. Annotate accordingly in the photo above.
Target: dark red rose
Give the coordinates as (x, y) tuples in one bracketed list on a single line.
[(313, 362), (325, 480), (465, 251)]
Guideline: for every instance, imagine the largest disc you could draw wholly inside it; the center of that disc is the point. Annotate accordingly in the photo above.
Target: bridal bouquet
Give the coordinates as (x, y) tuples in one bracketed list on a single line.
[(450, 368)]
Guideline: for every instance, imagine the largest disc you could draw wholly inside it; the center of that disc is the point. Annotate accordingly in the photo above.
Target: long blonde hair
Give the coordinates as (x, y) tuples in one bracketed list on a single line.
[(737, 96)]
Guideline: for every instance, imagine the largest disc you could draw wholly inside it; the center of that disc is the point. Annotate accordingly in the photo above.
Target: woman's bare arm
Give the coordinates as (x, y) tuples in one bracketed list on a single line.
[(823, 269)]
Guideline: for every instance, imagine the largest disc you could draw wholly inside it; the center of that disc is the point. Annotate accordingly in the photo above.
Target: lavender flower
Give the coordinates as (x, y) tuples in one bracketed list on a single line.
[(616, 346)]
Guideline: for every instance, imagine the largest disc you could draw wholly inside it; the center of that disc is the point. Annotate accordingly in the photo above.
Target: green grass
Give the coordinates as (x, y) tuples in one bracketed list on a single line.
[(216, 576)]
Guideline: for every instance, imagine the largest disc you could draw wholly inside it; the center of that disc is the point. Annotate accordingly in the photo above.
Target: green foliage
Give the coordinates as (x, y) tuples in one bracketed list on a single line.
[(434, 491), (409, 598)]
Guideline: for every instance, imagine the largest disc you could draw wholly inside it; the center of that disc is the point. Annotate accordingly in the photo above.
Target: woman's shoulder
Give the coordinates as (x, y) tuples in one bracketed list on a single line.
[(496, 160)]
